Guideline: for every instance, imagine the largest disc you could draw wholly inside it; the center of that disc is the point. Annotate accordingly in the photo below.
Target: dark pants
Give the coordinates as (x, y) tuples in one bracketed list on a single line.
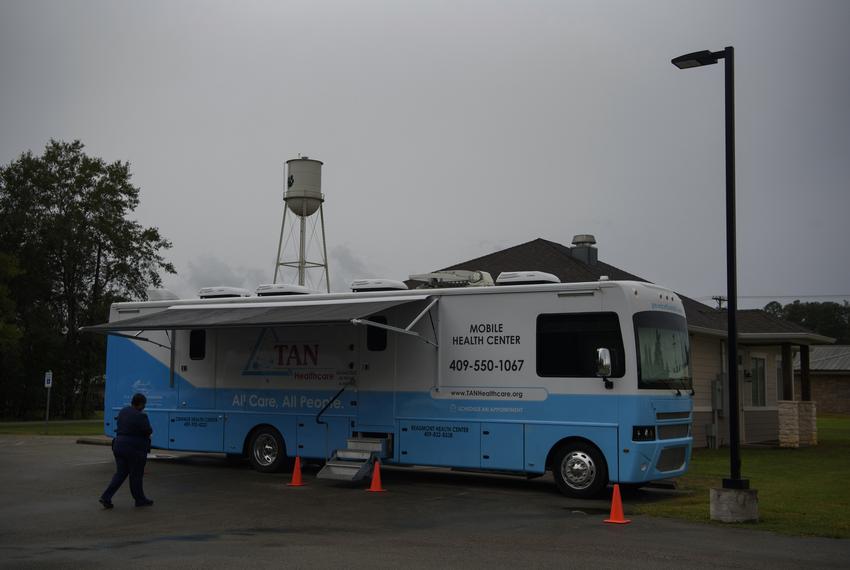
[(129, 460)]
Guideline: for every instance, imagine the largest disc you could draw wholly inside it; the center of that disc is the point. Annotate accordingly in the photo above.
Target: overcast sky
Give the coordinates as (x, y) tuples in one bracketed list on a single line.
[(451, 129)]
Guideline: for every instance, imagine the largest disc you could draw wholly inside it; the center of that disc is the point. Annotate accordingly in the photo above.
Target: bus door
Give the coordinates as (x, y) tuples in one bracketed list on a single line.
[(196, 424), (376, 378), (322, 363)]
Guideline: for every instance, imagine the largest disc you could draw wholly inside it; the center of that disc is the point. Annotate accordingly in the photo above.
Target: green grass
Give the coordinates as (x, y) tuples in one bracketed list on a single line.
[(801, 491), (77, 427)]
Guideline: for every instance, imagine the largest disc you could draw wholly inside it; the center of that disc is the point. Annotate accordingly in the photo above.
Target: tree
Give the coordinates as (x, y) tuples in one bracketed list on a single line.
[(64, 218), (774, 309), (829, 319)]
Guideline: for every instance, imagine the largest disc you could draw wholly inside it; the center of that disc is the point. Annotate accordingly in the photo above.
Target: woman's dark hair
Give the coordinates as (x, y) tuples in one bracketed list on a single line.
[(138, 400)]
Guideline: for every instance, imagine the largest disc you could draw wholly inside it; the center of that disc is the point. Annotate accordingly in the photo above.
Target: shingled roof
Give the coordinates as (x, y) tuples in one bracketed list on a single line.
[(558, 259)]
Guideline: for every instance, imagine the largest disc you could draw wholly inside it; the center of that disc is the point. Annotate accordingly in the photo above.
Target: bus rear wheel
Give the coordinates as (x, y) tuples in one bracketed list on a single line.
[(580, 470), (266, 450)]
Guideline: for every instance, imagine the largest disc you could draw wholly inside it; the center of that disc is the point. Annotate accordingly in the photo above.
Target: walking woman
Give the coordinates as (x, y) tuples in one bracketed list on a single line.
[(130, 447)]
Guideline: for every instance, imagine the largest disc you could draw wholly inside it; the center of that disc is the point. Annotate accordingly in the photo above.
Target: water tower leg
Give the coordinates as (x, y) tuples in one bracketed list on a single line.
[(279, 244), (325, 249), (302, 247)]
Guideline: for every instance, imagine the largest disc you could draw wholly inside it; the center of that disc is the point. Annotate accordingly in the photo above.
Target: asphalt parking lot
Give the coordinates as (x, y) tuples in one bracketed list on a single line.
[(213, 513)]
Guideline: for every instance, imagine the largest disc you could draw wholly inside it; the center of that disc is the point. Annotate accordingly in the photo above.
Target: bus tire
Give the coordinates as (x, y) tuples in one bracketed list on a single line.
[(580, 470), (266, 450)]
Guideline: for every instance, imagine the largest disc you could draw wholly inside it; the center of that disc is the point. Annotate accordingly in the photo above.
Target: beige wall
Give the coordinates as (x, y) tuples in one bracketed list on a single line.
[(706, 359), (758, 423)]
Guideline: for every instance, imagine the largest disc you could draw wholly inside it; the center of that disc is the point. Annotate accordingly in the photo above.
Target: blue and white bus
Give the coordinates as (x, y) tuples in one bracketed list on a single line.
[(590, 381)]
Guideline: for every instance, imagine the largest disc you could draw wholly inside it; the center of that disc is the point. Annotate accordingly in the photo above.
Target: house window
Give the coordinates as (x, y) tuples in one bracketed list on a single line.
[(757, 367), (198, 344), (567, 343)]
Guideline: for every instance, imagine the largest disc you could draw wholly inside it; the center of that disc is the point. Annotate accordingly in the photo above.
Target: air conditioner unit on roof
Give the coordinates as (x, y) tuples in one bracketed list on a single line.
[(273, 289), (222, 292), (363, 285), (526, 278)]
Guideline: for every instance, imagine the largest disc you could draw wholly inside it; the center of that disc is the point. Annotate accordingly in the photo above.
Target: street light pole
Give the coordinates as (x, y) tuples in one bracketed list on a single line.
[(698, 59), (735, 481)]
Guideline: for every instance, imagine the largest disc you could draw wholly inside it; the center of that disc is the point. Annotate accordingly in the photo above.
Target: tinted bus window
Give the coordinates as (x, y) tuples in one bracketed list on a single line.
[(567, 343), (376, 338), (198, 344)]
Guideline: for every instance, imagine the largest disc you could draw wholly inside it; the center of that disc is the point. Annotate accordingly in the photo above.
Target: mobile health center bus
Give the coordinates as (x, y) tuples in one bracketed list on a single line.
[(589, 380)]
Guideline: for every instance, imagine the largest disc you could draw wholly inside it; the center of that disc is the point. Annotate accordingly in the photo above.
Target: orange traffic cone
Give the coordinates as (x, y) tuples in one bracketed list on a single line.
[(296, 474), (616, 516), (375, 487)]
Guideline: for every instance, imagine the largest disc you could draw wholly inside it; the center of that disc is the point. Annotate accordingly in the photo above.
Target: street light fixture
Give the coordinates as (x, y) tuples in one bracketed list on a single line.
[(699, 59)]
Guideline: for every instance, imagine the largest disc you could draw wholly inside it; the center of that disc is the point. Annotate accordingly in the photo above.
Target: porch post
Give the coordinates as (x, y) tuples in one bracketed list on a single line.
[(787, 373), (805, 385)]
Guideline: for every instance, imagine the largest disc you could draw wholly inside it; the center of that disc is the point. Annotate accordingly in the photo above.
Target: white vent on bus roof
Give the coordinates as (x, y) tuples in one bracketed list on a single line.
[(222, 292), (359, 285), (271, 289), (525, 278)]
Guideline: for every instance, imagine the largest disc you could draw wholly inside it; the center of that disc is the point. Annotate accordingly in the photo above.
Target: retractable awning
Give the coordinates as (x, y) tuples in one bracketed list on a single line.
[(179, 317)]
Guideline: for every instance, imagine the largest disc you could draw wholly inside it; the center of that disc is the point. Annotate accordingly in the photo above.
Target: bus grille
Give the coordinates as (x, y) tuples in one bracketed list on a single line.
[(672, 458), (672, 415), (674, 431)]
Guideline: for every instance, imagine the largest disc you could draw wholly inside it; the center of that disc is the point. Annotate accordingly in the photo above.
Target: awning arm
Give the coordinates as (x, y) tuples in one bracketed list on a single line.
[(369, 323), (422, 314), (134, 337), (405, 330)]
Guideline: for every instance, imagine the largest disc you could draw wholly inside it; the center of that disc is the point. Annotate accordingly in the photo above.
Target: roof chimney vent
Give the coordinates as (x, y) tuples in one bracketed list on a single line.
[(583, 249), (584, 240)]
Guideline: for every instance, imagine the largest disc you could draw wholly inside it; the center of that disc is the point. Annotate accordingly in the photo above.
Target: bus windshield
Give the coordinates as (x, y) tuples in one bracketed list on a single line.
[(663, 351)]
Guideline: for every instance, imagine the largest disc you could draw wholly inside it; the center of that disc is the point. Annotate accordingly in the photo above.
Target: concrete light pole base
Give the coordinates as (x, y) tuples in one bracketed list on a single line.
[(734, 505)]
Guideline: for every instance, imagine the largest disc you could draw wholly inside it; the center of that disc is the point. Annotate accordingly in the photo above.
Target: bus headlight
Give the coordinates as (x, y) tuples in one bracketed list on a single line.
[(643, 433)]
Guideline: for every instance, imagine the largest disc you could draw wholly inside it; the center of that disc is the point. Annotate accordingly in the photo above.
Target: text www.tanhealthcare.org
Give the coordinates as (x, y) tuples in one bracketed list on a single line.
[(478, 393)]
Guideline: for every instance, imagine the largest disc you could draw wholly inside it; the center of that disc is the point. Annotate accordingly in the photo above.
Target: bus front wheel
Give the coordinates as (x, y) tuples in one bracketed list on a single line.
[(580, 470), (267, 451)]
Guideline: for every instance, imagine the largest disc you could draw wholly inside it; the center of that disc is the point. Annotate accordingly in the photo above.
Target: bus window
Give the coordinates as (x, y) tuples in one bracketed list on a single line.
[(198, 344), (567, 343), (376, 338), (663, 350)]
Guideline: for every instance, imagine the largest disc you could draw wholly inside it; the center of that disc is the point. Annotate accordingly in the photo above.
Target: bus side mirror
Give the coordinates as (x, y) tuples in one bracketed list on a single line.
[(603, 366)]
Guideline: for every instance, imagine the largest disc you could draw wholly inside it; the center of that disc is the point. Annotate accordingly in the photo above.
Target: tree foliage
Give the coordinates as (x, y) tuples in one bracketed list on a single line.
[(829, 319), (72, 251)]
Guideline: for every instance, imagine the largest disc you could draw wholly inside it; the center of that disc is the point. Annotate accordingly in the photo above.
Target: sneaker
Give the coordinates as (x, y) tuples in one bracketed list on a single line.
[(144, 503), (106, 504)]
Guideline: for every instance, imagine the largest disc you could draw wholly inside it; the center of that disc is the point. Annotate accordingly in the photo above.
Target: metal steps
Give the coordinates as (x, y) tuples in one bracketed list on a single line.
[(355, 461)]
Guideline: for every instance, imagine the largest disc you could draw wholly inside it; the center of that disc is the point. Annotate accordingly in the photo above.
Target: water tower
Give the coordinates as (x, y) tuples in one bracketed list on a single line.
[(302, 255)]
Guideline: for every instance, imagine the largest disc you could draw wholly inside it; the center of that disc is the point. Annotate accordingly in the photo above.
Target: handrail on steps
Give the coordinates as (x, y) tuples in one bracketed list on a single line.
[(331, 401), (324, 409)]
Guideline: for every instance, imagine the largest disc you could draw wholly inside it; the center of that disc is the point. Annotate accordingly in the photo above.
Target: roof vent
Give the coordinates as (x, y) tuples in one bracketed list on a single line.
[(364, 285), (583, 249), (161, 295), (222, 292), (584, 240), (273, 289), (454, 278), (525, 278)]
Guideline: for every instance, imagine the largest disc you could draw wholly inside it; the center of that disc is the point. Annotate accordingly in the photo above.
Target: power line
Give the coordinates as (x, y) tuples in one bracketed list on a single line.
[(841, 296)]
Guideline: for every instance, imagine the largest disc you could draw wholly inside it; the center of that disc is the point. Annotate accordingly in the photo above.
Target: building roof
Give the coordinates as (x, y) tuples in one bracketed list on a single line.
[(558, 259), (827, 359)]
